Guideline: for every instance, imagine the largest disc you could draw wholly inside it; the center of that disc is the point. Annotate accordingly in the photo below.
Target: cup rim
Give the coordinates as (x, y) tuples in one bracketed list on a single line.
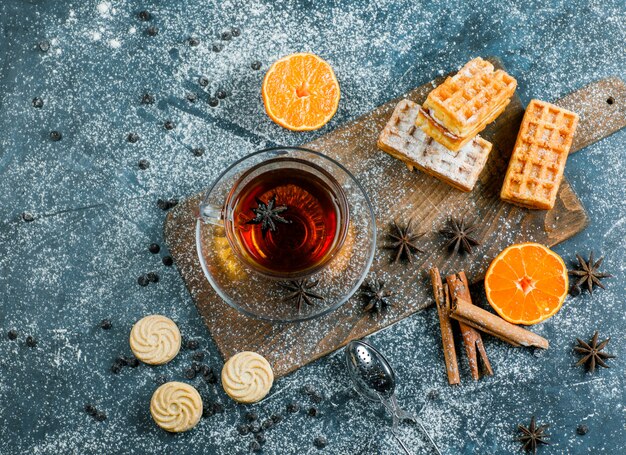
[(370, 259)]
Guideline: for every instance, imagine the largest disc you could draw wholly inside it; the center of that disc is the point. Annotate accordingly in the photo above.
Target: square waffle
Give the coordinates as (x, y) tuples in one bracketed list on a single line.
[(463, 105), (538, 160), (403, 140)]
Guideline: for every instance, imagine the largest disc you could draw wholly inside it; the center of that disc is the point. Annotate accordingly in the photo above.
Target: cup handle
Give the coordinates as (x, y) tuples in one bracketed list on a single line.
[(211, 214)]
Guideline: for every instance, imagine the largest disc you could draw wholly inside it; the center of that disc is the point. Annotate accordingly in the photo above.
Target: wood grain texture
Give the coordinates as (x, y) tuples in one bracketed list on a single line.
[(400, 194)]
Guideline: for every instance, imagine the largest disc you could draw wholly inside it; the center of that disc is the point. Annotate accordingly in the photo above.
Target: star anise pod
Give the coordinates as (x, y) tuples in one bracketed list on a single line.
[(589, 274), (267, 215), (300, 291), (404, 241), (592, 353), (376, 295), (459, 234), (533, 436)]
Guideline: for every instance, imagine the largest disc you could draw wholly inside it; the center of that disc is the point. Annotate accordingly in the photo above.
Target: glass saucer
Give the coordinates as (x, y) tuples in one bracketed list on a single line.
[(258, 296)]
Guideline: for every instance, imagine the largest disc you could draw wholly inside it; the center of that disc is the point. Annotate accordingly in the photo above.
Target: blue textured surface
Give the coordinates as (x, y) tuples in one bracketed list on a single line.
[(95, 213)]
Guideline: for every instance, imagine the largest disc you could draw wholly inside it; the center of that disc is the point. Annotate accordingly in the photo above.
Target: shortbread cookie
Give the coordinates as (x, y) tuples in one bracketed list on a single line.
[(176, 407), (247, 377), (155, 339)]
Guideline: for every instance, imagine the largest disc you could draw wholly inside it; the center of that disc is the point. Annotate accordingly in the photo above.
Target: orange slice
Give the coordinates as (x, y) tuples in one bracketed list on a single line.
[(526, 283), (300, 92)]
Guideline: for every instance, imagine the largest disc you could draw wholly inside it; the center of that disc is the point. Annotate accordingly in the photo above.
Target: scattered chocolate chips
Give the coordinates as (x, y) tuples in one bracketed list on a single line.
[(267, 424), (190, 373), (154, 248), (38, 103), (313, 412), (235, 31), (168, 261), (152, 31), (143, 164), (193, 345), (582, 429), (193, 42), (198, 356), (143, 280), (12, 334), (31, 342), (203, 81), (132, 137), (243, 429), (166, 204), (217, 47), (106, 324), (44, 46), (55, 136), (260, 437), (251, 416), (320, 442), (256, 65), (132, 361), (192, 97), (152, 277), (276, 418), (146, 98), (169, 125), (91, 409), (198, 151), (144, 15), (213, 102), (28, 217), (227, 35), (293, 407), (255, 446), (116, 368), (221, 94), (100, 416), (209, 376)]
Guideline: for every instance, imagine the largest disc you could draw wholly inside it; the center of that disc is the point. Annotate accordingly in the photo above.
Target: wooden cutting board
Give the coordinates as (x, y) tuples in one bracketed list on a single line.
[(399, 194)]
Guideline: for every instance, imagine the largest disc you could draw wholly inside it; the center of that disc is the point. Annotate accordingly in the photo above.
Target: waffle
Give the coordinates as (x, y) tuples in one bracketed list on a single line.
[(538, 160), (463, 105), (403, 140)]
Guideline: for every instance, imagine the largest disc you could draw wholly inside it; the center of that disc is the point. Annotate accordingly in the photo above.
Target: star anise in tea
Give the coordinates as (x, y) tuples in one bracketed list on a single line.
[(377, 297), (404, 239), (268, 215), (593, 353), (533, 436), (459, 234), (588, 274), (301, 291)]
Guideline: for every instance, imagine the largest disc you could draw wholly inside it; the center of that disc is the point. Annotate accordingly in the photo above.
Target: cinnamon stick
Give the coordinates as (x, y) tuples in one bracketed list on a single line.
[(472, 340), (442, 301), (463, 311)]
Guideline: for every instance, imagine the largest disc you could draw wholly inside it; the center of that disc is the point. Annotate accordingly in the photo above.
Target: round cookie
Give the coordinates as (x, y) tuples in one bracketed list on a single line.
[(247, 377), (155, 339), (176, 407)]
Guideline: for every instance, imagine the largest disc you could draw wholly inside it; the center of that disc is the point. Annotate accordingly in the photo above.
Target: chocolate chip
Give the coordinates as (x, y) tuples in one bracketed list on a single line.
[(106, 324), (163, 204), (256, 65), (31, 342), (132, 137), (198, 151), (91, 409), (160, 380), (198, 356), (193, 345), (313, 412), (320, 442), (154, 248), (190, 373), (276, 418), (168, 261), (169, 125), (144, 15), (132, 362), (267, 424), (100, 416), (12, 334), (55, 136), (243, 429), (207, 411), (152, 277), (147, 99), (44, 46), (38, 103), (254, 446), (227, 35), (582, 429), (116, 368), (28, 217), (192, 97), (203, 81), (252, 416), (235, 31), (152, 31), (193, 42), (293, 407), (217, 47), (260, 437), (143, 164), (209, 376), (143, 280), (221, 94), (213, 102)]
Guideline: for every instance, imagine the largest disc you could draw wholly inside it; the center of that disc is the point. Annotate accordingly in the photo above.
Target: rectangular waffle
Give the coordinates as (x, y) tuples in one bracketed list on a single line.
[(403, 140), (463, 105), (538, 160)]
